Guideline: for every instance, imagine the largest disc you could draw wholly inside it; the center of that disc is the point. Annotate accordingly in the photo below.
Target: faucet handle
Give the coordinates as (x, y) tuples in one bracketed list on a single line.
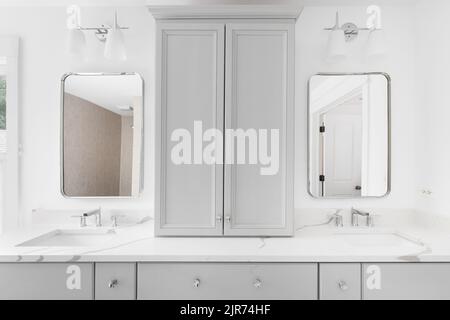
[(338, 220), (82, 219), (114, 219), (370, 220)]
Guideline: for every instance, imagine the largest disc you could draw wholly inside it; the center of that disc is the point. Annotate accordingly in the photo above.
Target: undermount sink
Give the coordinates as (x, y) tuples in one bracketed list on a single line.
[(377, 239), (71, 238)]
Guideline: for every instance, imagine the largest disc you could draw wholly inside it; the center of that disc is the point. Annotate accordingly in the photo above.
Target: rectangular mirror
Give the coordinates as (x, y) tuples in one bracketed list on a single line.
[(102, 135), (349, 135)]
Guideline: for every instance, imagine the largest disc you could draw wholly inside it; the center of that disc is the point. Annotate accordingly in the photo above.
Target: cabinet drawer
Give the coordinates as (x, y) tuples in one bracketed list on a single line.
[(340, 281), (227, 281), (115, 281), (46, 281), (406, 281)]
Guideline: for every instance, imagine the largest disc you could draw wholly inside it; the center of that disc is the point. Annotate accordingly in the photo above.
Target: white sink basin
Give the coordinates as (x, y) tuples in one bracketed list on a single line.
[(71, 238), (377, 239)]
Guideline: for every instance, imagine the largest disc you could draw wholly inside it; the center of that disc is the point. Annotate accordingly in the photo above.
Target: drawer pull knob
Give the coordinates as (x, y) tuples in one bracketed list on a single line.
[(113, 283), (196, 283), (257, 283), (343, 285)]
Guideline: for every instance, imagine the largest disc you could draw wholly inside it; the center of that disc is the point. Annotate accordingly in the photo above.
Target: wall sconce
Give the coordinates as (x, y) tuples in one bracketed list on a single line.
[(336, 50), (376, 44), (339, 35), (112, 37)]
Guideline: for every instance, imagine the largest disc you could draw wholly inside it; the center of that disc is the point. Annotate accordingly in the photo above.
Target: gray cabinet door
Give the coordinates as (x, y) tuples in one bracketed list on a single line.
[(340, 281), (227, 281), (189, 190), (115, 281), (46, 281), (259, 100), (406, 281)]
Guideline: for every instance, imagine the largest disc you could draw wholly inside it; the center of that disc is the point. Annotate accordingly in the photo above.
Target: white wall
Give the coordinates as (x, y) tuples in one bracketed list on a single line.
[(433, 89), (399, 63), (43, 61)]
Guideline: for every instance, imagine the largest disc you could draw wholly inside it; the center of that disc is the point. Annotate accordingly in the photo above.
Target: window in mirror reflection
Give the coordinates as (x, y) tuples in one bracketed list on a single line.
[(349, 136), (102, 121)]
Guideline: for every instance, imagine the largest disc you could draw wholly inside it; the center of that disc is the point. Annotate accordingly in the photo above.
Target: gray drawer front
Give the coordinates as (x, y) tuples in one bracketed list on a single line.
[(227, 281), (406, 281), (46, 281), (340, 281), (115, 281)]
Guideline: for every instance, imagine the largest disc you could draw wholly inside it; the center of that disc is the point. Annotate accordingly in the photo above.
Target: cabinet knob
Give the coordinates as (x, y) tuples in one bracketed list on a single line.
[(113, 283), (257, 283), (219, 219), (343, 285), (196, 283), (228, 219)]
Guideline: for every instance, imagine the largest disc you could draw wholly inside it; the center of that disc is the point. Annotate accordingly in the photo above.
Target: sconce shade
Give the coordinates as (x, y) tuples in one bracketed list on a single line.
[(76, 42), (115, 43), (376, 43), (336, 50)]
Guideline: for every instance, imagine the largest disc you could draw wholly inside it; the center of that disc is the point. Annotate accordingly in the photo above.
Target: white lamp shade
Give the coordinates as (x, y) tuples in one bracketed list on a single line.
[(115, 45), (336, 50), (376, 43), (76, 42)]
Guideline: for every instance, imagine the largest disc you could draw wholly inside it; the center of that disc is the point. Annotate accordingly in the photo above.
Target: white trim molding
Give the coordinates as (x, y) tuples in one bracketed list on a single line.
[(225, 11)]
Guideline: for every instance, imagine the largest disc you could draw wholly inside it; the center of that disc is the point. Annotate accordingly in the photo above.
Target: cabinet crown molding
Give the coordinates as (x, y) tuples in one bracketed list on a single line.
[(225, 11)]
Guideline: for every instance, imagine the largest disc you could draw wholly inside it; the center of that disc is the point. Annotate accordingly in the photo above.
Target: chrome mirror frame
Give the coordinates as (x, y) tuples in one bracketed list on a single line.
[(308, 136), (141, 174)]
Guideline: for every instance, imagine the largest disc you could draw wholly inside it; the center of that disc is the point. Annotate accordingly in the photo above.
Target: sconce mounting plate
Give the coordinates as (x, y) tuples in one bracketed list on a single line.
[(351, 31), (102, 32)]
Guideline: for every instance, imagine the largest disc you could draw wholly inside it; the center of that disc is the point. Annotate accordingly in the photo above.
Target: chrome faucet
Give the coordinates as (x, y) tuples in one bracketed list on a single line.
[(356, 213), (82, 220), (98, 216)]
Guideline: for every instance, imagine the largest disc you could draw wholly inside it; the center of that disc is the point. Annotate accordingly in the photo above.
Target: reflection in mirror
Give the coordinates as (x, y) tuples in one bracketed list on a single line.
[(349, 135), (102, 135), (2, 104)]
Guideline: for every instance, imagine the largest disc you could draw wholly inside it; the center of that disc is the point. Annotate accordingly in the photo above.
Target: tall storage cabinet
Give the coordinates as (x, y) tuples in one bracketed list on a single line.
[(224, 74)]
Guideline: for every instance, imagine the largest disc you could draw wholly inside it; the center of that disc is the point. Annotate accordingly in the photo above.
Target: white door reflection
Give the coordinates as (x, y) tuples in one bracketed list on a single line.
[(349, 135)]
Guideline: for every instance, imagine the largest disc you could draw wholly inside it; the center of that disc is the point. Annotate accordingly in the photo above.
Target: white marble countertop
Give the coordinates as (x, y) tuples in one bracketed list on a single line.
[(410, 239)]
